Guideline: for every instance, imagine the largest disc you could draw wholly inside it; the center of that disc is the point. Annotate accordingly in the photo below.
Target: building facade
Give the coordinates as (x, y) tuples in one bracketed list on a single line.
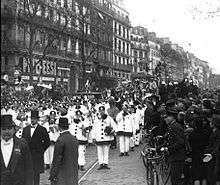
[(122, 66), (139, 50), (57, 41)]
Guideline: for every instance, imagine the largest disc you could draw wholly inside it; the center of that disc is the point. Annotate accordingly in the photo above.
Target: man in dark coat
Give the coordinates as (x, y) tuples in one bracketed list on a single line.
[(64, 169), (15, 156), (38, 141), (176, 147), (212, 149)]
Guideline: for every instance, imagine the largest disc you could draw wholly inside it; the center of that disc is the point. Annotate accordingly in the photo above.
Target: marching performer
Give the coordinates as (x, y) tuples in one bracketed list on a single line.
[(135, 121), (125, 129), (80, 128), (52, 129), (103, 134)]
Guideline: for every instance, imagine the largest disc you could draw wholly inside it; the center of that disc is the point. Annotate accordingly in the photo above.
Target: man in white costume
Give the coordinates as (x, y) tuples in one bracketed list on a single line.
[(125, 129), (103, 134)]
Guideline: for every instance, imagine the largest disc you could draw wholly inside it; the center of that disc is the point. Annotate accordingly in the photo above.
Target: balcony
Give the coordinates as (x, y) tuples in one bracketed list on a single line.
[(105, 8), (121, 19)]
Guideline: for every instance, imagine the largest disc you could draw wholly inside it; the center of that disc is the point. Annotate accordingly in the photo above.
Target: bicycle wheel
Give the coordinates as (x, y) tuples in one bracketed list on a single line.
[(150, 174)]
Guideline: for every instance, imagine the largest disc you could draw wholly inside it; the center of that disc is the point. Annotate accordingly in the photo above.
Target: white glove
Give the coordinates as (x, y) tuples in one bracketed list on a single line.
[(208, 157), (164, 149)]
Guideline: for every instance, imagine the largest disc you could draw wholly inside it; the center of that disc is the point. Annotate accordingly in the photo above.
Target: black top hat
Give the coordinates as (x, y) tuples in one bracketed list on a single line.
[(102, 108), (52, 112), (35, 114), (6, 121), (63, 122), (79, 112)]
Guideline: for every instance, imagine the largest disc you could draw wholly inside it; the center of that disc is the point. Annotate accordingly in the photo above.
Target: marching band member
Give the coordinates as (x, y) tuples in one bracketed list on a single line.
[(135, 119), (79, 128), (52, 129), (125, 129), (103, 131)]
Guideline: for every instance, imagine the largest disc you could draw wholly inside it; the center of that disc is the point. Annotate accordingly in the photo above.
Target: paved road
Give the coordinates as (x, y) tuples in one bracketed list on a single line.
[(124, 171)]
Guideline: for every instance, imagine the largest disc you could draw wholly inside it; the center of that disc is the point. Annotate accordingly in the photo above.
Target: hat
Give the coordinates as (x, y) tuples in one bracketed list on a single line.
[(63, 122), (79, 112), (172, 112), (102, 108), (7, 121), (52, 112), (35, 114), (170, 102), (216, 120)]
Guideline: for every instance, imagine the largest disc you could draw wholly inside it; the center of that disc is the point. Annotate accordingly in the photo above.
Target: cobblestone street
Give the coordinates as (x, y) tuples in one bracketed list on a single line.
[(124, 171)]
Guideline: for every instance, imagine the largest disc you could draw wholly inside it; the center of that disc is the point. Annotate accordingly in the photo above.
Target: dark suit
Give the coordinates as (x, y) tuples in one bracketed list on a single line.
[(214, 144), (20, 168), (177, 152), (38, 144), (65, 160)]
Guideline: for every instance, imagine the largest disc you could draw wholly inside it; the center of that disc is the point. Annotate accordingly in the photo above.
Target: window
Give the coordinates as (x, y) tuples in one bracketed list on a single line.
[(119, 45), (127, 49), (115, 43), (124, 32), (119, 30), (115, 27), (116, 61), (127, 33), (123, 61), (123, 47), (119, 60)]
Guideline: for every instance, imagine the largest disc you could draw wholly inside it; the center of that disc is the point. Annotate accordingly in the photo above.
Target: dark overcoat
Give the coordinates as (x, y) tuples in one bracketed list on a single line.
[(20, 168), (65, 160), (38, 144)]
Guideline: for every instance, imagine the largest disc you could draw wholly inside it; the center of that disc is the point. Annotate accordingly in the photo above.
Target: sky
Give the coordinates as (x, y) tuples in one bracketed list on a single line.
[(184, 22)]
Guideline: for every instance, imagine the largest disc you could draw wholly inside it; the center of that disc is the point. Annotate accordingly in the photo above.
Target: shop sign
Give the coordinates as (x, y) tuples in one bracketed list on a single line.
[(40, 67)]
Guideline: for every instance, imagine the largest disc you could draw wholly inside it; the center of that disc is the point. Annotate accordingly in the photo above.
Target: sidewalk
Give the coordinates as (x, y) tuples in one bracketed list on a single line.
[(91, 157), (124, 170)]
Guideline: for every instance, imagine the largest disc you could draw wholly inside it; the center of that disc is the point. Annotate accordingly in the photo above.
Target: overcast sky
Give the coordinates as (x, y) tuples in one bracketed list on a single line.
[(184, 22)]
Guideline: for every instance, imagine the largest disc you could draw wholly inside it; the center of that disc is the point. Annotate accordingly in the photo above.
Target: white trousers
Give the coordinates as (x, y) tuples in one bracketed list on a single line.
[(103, 153), (124, 143), (48, 155), (81, 157)]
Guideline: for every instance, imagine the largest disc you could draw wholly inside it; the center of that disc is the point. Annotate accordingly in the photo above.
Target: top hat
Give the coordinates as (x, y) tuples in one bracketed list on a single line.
[(63, 122), (102, 108), (7, 121), (79, 112), (35, 114)]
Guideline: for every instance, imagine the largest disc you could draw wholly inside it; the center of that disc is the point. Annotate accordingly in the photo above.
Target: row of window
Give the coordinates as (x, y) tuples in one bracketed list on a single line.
[(121, 30), (139, 54), (121, 46), (121, 60), (154, 53)]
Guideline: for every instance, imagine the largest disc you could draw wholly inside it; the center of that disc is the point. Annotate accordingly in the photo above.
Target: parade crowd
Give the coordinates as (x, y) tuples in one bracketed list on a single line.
[(39, 134)]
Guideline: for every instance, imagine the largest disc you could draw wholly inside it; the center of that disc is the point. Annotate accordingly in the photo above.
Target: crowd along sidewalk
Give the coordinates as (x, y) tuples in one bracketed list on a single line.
[(126, 170)]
